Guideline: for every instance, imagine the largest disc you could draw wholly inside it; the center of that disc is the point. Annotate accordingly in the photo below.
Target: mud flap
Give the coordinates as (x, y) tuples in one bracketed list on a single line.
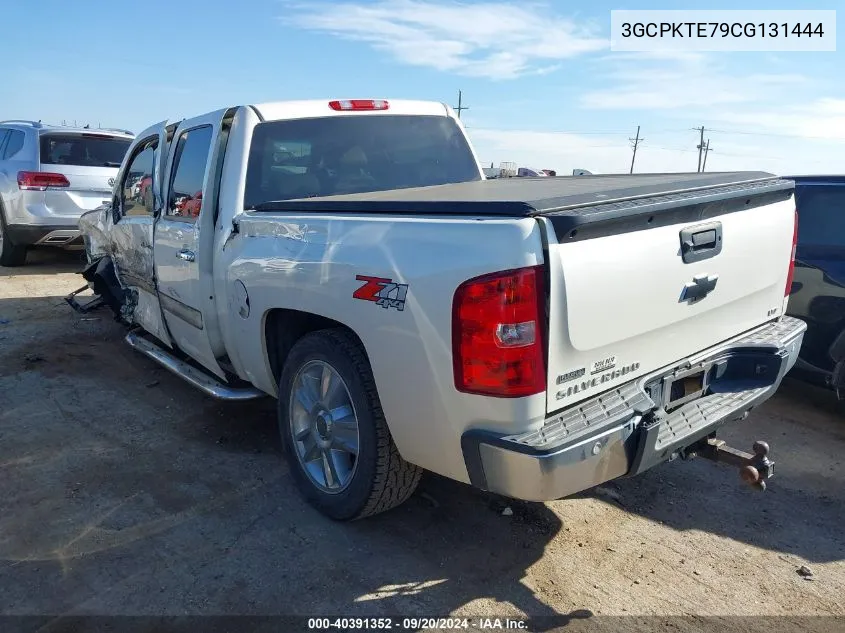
[(102, 279)]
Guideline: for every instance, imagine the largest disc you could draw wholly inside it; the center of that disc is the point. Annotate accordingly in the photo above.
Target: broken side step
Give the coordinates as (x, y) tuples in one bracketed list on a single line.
[(190, 374)]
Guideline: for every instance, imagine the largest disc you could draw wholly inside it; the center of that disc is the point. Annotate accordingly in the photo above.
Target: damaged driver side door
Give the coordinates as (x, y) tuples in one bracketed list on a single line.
[(135, 206)]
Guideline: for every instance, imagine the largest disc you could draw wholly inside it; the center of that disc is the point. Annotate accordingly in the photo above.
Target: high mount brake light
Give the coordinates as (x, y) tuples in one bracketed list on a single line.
[(358, 104), (497, 334), (41, 180)]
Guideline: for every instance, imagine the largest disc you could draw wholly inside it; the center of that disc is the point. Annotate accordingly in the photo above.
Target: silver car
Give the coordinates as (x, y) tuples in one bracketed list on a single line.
[(49, 176)]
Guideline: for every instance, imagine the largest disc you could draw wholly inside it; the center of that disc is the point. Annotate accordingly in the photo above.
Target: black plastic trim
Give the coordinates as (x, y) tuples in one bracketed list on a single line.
[(257, 113), (189, 315), (649, 215), (29, 234)]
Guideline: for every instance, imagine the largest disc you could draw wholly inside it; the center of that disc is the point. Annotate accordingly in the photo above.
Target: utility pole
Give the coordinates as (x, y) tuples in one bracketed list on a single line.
[(700, 146), (635, 143), (460, 107), (706, 151)]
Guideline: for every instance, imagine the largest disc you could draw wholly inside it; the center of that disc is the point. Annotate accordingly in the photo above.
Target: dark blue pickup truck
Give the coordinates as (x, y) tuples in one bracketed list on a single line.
[(818, 287)]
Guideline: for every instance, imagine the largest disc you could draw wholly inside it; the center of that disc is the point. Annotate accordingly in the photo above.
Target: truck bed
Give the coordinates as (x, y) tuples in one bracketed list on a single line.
[(614, 202)]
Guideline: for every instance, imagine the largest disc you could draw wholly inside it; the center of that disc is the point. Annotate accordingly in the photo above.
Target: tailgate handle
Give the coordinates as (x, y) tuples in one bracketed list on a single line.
[(701, 242)]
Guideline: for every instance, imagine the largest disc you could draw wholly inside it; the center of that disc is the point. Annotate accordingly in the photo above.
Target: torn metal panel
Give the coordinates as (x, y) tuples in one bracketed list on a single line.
[(147, 312), (94, 228)]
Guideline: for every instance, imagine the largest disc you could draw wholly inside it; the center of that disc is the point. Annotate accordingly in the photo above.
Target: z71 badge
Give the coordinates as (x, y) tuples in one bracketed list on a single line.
[(382, 291)]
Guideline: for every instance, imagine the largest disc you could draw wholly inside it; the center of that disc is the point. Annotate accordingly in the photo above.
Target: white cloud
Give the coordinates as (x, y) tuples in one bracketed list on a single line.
[(823, 118), (492, 40), (697, 82)]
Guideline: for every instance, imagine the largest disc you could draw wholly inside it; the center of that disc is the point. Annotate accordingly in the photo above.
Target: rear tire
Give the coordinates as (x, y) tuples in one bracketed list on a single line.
[(373, 480), (11, 254)]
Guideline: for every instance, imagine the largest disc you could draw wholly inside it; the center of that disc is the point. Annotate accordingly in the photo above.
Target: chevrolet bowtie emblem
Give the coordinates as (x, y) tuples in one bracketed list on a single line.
[(699, 287)]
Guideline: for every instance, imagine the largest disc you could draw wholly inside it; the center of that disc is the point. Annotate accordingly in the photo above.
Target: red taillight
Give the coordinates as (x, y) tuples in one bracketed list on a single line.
[(791, 272), (40, 180), (497, 334), (358, 104)]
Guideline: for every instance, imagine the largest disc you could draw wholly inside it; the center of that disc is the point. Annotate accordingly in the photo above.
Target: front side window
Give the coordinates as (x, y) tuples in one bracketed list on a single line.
[(328, 156), (136, 190), (83, 150), (190, 162)]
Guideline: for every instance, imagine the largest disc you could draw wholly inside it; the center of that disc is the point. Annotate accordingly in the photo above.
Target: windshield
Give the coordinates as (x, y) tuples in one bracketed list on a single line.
[(84, 150), (328, 156)]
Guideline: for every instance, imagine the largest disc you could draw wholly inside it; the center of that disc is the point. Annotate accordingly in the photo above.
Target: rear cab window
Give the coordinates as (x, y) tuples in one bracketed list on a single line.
[(327, 156), (82, 150)]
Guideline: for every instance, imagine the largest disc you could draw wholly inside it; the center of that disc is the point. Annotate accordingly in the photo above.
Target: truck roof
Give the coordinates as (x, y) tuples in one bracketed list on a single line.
[(280, 110)]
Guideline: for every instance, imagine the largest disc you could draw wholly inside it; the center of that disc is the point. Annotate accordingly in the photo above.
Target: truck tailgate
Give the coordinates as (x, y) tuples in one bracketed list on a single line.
[(644, 289)]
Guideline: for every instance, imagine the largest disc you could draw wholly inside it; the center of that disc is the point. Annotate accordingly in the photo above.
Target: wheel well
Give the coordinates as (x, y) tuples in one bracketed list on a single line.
[(283, 328)]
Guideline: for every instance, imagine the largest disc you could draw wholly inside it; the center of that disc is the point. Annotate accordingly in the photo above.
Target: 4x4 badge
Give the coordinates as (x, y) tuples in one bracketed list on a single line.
[(382, 291)]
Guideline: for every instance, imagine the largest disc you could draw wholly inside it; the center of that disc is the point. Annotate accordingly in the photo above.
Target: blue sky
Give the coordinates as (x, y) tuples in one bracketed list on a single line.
[(543, 88)]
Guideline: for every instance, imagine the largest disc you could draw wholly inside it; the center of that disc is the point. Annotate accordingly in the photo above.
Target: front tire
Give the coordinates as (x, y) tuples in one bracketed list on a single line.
[(339, 448)]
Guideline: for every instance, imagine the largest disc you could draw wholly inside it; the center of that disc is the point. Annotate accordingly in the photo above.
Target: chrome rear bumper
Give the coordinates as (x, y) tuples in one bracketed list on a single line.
[(628, 430)]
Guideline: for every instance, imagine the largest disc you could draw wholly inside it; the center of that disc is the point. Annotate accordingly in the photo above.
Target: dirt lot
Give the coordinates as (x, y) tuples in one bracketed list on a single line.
[(124, 491)]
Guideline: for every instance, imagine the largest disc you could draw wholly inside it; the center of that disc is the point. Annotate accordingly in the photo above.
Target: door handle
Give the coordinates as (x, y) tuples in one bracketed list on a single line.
[(701, 242), (186, 255)]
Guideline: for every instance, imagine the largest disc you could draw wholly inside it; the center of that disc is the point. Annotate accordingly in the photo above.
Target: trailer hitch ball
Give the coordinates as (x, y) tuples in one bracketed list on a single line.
[(754, 469), (758, 466)]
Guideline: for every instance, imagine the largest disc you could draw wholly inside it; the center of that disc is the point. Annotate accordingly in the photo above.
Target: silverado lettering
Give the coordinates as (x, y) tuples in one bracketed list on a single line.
[(596, 381)]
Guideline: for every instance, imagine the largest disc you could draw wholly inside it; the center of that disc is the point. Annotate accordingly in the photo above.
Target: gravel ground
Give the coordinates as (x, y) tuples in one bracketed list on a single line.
[(123, 491)]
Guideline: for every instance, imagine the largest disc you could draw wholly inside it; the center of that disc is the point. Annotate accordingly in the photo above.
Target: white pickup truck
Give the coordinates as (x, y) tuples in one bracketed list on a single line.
[(532, 337)]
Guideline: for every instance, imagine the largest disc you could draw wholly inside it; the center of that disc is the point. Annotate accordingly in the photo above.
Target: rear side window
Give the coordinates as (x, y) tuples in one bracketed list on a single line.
[(14, 144), (821, 214), (355, 154), (83, 150)]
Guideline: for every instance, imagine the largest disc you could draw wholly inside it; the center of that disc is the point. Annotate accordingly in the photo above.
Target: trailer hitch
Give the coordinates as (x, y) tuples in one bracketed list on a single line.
[(754, 468)]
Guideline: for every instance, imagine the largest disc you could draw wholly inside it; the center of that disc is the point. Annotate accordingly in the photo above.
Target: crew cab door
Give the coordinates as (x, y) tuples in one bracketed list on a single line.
[(136, 201), (180, 262)]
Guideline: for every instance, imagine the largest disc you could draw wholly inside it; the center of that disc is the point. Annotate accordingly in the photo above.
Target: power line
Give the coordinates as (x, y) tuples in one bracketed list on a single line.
[(663, 131), (522, 129), (777, 135)]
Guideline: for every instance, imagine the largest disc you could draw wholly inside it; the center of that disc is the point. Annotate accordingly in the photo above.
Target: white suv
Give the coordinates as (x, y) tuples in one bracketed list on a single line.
[(49, 176)]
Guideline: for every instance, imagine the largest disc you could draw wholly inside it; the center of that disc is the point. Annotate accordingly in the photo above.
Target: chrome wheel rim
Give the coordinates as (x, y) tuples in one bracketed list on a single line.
[(323, 426)]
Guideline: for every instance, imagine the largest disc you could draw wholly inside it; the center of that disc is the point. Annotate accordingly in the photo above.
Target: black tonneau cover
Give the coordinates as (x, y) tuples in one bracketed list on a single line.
[(570, 201)]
